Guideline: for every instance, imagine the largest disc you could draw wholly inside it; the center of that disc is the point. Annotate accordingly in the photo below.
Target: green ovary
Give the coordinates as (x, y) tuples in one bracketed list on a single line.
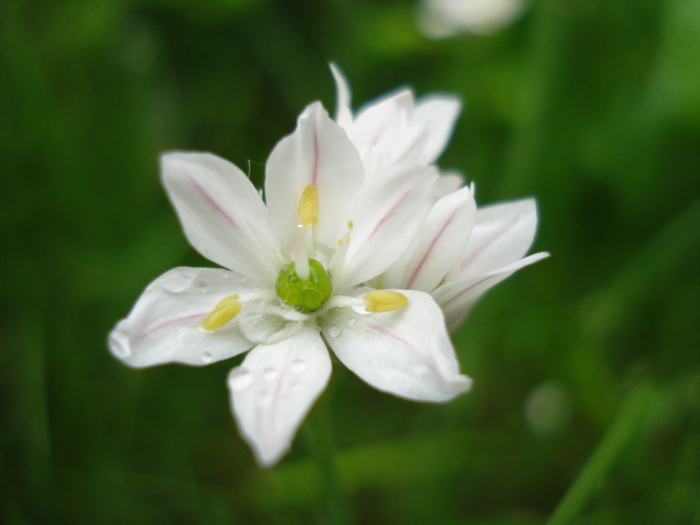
[(305, 295)]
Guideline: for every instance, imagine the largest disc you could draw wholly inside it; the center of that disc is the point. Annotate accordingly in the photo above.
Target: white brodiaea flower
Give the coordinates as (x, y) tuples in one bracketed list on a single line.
[(296, 281)]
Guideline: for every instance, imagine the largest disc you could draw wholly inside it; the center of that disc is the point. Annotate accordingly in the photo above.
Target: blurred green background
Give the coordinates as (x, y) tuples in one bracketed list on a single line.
[(593, 107)]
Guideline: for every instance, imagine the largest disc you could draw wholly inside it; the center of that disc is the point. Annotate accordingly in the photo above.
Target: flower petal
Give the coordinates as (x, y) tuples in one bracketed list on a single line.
[(444, 236), (406, 352), (448, 182), (386, 217), (343, 111), (164, 324), (275, 387), (319, 153), (502, 234), (457, 297), (439, 114), (221, 213), (380, 119)]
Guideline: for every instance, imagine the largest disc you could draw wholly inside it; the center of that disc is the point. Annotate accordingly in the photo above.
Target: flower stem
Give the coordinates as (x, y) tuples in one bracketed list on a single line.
[(320, 442), (624, 427)]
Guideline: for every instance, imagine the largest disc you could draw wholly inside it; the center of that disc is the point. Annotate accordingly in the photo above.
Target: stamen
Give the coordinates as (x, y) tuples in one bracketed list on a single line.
[(384, 301), (308, 207), (227, 309), (300, 251)]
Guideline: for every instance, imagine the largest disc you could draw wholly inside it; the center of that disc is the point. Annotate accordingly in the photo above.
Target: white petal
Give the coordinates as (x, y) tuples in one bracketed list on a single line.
[(382, 118), (448, 182), (386, 218), (444, 237), (221, 213), (164, 324), (343, 111), (275, 387), (401, 145), (406, 352), (457, 297), (502, 234), (439, 113), (319, 153)]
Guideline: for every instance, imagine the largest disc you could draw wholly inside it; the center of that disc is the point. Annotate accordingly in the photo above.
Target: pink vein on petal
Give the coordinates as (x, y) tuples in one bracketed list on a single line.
[(271, 419), (455, 297), (170, 323), (488, 243), (401, 340), (430, 249), (213, 203), (413, 146), (388, 214), (314, 172)]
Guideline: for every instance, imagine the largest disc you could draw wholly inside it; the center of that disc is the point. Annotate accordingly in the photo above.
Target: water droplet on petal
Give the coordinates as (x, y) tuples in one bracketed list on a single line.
[(201, 286), (240, 378), (334, 331), (318, 328), (207, 358), (352, 321), (298, 365), (295, 385), (270, 373)]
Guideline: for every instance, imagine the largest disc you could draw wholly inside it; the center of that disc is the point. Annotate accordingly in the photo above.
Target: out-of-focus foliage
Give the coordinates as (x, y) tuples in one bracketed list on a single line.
[(594, 107)]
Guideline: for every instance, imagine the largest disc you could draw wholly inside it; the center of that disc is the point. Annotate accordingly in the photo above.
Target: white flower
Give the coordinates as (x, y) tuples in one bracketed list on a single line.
[(445, 18), (395, 129), (461, 252), (296, 281)]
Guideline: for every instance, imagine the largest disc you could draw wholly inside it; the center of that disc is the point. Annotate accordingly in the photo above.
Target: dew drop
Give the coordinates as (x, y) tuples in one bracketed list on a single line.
[(352, 321), (334, 331), (295, 385), (201, 286), (240, 378), (298, 365), (318, 328), (207, 358), (270, 373)]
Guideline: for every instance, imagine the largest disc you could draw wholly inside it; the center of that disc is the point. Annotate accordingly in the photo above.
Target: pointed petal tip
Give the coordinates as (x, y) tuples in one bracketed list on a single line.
[(455, 386), (119, 344), (315, 110), (268, 459), (462, 384)]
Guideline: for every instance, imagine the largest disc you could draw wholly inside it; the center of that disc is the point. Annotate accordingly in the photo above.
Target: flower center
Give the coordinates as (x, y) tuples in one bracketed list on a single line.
[(304, 295)]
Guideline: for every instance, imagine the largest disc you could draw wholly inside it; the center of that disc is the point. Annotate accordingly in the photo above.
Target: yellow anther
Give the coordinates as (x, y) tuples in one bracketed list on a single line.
[(308, 207), (384, 301), (227, 309)]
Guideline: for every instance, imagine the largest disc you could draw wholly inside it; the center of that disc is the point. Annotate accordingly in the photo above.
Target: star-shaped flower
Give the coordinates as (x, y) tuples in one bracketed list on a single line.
[(298, 268)]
